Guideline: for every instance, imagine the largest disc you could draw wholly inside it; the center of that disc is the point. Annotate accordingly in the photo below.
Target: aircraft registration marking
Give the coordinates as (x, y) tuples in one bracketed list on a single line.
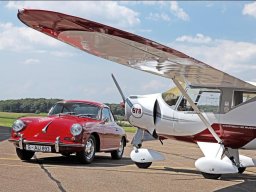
[(238, 126)]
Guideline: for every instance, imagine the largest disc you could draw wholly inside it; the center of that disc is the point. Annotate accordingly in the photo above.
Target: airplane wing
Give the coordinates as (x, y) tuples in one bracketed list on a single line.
[(128, 49)]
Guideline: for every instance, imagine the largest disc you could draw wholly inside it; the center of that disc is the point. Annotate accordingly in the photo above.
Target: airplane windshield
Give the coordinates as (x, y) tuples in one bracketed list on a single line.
[(171, 96)]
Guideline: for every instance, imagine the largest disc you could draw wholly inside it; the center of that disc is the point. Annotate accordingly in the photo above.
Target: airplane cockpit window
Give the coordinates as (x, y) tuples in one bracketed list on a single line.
[(171, 96), (241, 97), (207, 100)]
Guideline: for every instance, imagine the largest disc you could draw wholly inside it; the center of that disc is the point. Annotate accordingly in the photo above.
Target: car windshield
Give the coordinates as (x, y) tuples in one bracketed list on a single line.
[(78, 109)]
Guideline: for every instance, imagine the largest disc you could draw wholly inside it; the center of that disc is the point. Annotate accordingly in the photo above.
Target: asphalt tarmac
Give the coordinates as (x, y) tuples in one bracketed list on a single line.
[(53, 172)]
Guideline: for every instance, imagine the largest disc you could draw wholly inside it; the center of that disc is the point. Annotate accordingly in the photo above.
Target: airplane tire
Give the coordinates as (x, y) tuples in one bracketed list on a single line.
[(143, 165), (211, 176), (241, 169)]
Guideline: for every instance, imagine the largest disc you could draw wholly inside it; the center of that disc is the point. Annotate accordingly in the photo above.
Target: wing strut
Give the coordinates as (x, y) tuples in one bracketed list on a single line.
[(200, 115)]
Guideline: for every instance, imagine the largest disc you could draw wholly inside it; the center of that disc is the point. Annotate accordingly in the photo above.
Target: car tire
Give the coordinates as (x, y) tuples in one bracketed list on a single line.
[(24, 154), (118, 154), (87, 155), (143, 165), (211, 176)]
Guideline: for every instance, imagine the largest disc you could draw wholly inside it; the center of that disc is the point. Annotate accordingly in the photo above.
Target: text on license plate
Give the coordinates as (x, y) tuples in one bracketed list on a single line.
[(38, 148)]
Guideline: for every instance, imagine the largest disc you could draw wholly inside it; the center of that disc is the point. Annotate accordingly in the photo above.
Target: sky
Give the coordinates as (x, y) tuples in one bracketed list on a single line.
[(33, 65)]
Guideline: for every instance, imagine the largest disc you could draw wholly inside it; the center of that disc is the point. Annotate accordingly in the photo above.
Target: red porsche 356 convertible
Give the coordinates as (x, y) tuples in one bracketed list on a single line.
[(80, 127)]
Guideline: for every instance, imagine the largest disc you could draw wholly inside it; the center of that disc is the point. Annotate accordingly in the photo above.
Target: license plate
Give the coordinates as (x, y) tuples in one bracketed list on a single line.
[(40, 148)]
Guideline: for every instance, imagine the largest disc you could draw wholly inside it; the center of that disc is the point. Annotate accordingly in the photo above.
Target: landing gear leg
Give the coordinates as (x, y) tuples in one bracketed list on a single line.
[(143, 158), (233, 155)]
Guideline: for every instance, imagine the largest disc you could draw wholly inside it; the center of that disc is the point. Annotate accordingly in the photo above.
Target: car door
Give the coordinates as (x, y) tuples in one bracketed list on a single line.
[(111, 132)]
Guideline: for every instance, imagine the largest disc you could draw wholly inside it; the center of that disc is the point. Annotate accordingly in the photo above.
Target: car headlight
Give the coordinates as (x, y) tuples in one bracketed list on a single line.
[(76, 129), (18, 125)]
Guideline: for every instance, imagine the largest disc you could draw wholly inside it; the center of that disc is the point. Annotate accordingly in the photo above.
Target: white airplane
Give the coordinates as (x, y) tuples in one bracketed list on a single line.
[(207, 106)]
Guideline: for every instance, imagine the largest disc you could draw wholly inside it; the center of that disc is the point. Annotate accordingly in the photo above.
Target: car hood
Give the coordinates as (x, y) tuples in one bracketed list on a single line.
[(48, 128)]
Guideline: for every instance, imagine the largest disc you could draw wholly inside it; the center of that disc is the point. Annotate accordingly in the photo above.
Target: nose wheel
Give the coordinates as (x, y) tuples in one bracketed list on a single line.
[(143, 165)]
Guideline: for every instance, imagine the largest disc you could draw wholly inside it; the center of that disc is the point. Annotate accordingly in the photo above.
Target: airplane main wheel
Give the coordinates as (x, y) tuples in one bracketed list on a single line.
[(143, 165), (211, 176), (241, 169)]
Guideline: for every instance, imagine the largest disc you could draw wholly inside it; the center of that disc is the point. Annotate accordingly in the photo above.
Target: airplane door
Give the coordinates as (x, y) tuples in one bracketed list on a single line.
[(187, 121)]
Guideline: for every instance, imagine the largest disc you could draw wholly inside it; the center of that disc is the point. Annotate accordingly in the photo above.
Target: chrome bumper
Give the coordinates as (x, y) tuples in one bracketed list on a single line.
[(57, 144)]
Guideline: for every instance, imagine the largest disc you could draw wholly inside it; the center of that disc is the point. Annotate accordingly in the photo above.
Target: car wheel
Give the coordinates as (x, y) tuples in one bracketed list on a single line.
[(118, 154), (143, 165), (211, 176), (241, 169), (87, 155), (24, 154)]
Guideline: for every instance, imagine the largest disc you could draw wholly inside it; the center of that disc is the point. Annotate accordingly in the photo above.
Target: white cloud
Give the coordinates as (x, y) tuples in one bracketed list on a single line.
[(199, 38), (172, 6), (178, 11), (22, 38), (159, 16), (235, 58), (152, 86), (110, 12), (209, 4), (144, 30), (61, 54), (161, 3), (250, 9), (31, 61)]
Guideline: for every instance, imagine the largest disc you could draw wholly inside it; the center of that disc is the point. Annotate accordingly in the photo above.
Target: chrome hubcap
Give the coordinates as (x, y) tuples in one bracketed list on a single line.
[(89, 149)]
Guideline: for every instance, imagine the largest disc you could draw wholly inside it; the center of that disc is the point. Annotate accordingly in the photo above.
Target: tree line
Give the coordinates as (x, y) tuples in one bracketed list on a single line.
[(42, 105)]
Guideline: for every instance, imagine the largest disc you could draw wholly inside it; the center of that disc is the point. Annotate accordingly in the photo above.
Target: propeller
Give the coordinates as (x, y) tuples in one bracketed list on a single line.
[(118, 87)]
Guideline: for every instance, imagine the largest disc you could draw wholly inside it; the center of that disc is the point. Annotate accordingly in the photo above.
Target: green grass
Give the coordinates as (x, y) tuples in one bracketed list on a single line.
[(7, 119), (130, 129)]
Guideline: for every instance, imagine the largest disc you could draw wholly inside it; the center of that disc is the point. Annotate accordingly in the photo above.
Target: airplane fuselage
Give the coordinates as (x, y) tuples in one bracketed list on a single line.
[(236, 128)]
